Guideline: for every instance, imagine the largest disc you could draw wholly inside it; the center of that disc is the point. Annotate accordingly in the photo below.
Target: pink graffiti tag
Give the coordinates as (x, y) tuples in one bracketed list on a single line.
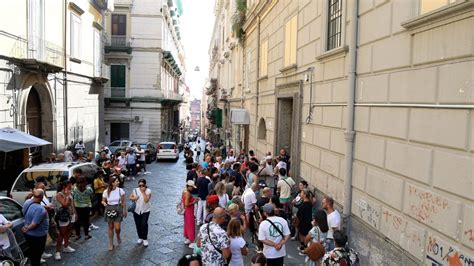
[(470, 232)]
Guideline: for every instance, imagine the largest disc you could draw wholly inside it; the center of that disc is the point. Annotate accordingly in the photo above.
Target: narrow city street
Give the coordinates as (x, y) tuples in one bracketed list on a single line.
[(166, 179)]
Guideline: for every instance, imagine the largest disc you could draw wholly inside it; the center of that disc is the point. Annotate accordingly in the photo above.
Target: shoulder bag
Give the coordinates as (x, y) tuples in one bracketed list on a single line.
[(218, 250), (133, 204), (276, 227), (315, 250)]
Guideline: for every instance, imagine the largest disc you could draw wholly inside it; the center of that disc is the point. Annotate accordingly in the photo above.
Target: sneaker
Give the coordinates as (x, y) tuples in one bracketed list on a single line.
[(93, 227), (145, 243), (42, 261), (302, 253), (46, 255), (139, 241), (191, 246), (57, 256), (187, 242), (133, 178), (68, 250)]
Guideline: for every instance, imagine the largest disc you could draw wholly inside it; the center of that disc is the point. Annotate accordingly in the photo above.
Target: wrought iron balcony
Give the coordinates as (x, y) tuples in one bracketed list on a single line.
[(118, 43)]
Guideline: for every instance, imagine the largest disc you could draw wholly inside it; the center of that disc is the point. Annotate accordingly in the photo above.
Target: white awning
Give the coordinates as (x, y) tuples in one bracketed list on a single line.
[(239, 117)]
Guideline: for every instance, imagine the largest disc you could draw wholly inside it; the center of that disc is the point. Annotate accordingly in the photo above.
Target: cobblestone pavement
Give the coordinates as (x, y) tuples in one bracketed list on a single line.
[(165, 236)]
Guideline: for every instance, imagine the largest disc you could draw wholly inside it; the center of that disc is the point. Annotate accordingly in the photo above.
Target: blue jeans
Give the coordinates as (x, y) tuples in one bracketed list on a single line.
[(330, 244), (131, 169)]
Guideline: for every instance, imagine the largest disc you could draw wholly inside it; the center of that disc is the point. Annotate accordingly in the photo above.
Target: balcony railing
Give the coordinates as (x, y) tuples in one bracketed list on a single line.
[(117, 43), (171, 95), (37, 48), (122, 92)]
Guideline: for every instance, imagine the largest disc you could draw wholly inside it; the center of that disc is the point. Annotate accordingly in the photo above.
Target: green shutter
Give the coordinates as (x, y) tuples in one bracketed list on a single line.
[(117, 76), (218, 117)]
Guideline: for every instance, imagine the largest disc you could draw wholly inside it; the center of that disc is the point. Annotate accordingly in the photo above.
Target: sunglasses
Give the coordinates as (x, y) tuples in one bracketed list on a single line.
[(141, 185)]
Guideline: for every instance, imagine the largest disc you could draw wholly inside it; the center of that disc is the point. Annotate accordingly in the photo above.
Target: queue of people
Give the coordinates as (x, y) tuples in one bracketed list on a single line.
[(69, 212), (229, 199)]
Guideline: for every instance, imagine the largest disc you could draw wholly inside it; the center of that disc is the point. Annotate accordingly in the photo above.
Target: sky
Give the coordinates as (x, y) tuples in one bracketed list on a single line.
[(196, 23)]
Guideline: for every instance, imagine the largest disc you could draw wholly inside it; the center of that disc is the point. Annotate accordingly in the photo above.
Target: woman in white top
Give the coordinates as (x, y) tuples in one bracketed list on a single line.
[(238, 247), (113, 199), (141, 196), (222, 194)]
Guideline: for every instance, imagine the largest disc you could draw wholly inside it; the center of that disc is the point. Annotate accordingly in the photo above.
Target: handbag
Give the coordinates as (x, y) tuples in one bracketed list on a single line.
[(315, 250), (133, 204), (180, 207)]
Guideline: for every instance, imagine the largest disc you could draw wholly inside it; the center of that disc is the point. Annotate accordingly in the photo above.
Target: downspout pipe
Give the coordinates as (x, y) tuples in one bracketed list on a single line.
[(65, 116), (257, 84), (349, 134)]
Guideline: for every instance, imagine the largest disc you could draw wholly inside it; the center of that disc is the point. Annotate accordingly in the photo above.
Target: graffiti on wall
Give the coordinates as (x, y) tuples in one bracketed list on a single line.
[(369, 212), (438, 252), (426, 204)]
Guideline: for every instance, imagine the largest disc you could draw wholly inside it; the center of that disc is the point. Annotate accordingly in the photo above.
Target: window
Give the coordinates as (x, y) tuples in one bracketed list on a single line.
[(117, 76), (97, 54), (430, 5), (75, 36), (264, 58), (119, 25), (334, 31), (290, 41), (10, 210)]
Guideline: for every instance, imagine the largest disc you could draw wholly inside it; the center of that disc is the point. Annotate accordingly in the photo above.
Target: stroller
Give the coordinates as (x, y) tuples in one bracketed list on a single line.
[(12, 255)]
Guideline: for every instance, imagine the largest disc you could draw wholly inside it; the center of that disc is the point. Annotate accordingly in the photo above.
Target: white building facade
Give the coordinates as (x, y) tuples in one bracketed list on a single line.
[(147, 71)]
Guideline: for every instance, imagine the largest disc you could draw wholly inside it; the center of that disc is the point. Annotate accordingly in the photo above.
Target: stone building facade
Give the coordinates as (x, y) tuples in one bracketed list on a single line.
[(146, 60), (373, 99), (52, 72)]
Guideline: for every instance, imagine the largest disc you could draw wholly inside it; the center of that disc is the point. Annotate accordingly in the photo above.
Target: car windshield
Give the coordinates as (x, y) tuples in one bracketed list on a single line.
[(126, 143), (115, 143), (167, 146), (143, 146), (26, 182), (10, 210)]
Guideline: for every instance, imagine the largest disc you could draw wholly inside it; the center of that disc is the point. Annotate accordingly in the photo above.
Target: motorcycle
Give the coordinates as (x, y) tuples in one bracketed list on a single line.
[(12, 255)]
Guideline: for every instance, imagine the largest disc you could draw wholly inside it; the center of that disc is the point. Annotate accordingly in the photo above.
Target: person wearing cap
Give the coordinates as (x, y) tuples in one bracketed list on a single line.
[(268, 166), (273, 232), (212, 204)]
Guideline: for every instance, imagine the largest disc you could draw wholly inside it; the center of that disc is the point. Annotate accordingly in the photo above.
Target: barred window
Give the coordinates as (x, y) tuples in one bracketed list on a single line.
[(334, 24)]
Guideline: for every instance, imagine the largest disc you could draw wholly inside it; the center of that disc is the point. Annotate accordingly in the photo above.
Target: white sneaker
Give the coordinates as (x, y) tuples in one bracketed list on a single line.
[(93, 227), (68, 250), (145, 243), (139, 241), (46, 255), (57, 256), (42, 261), (133, 178), (187, 242), (191, 246)]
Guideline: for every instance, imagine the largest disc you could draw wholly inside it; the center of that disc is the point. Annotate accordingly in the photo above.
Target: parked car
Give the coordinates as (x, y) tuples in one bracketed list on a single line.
[(120, 145), (12, 211), (167, 150), (53, 172), (150, 151)]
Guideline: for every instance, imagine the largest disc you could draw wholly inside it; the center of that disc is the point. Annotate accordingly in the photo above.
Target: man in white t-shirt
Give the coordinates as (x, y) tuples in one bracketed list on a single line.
[(273, 232), (334, 221), (249, 198), (141, 158), (4, 226)]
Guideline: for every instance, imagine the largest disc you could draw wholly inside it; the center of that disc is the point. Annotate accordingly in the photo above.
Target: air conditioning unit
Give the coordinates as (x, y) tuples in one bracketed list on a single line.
[(137, 119)]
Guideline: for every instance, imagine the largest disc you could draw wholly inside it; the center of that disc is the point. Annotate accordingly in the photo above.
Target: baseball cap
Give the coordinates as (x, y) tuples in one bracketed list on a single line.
[(268, 208), (213, 199), (268, 158)]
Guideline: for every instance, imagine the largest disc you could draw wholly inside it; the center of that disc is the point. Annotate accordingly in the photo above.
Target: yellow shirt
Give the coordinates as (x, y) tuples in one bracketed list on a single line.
[(99, 185)]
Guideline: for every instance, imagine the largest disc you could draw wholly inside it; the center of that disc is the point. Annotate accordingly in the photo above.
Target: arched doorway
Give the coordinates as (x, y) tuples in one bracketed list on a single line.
[(33, 113)]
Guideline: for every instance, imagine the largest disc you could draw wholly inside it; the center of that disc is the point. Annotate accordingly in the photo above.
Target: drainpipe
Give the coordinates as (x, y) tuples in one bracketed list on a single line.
[(65, 116), (350, 133), (258, 75)]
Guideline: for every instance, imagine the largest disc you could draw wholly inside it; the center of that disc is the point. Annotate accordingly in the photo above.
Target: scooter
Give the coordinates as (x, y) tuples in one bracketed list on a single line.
[(12, 255)]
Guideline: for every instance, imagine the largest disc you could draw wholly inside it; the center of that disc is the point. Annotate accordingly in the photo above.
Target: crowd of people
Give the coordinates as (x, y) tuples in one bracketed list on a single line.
[(78, 198), (241, 197)]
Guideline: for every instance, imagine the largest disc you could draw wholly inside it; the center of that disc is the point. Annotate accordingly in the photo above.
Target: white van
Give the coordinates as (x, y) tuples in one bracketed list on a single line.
[(52, 172)]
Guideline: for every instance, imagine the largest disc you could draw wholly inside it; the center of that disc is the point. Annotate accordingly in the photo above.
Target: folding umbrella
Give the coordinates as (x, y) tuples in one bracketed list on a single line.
[(12, 139)]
